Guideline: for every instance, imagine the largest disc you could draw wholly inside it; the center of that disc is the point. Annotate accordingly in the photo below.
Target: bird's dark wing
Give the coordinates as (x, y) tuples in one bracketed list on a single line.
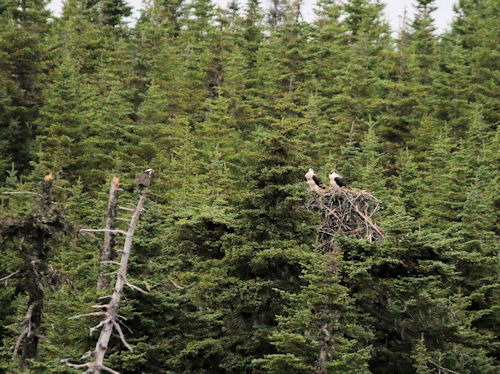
[(143, 179), (340, 181), (318, 181)]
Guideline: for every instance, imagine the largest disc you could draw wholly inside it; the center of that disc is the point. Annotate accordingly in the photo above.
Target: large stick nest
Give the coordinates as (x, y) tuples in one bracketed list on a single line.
[(348, 212)]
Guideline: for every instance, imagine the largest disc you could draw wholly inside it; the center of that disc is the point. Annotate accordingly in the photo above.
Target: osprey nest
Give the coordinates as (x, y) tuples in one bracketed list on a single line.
[(348, 212)]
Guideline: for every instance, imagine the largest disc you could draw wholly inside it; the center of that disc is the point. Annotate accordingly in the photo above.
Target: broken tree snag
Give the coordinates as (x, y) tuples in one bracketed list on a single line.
[(121, 281), (347, 212), (37, 266), (35, 234), (109, 321), (46, 191), (109, 236)]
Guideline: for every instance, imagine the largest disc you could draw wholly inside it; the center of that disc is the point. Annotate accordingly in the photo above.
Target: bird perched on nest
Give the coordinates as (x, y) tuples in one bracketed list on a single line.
[(315, 183), (336, 180), (143, 179)]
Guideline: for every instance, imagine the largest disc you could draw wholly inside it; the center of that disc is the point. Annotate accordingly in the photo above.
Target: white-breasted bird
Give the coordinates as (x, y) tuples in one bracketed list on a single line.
[(315, 183), (336, 180)]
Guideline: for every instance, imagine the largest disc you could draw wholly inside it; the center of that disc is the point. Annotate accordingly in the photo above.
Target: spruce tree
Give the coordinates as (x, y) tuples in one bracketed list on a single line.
[(23, 26)]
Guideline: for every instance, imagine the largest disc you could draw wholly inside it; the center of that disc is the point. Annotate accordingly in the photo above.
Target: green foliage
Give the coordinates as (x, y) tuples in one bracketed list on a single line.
[(23, 26), (231, 107)]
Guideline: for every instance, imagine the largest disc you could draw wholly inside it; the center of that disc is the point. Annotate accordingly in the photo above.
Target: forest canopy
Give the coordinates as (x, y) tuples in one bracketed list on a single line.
[(230, 269)]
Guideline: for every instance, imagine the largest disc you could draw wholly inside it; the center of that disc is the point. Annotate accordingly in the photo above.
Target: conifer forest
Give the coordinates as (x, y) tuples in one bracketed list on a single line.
[(155, 216)]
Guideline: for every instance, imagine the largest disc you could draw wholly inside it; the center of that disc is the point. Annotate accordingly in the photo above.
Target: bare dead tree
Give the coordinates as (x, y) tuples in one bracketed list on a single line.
[(107, 252), (109, 314), (34, 233)]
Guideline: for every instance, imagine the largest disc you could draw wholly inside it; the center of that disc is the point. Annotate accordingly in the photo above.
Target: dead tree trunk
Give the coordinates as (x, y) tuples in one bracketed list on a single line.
[(110, 315), (34, 231), (109, 236), (111, 320), (35, 266)]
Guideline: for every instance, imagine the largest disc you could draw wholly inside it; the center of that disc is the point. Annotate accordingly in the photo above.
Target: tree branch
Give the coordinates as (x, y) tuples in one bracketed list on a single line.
[(21, 193), (76, 366), (25, 332), (10, 275), (127, 209), (122, 337), (370, 222), (104, 230), (442, 368), (105, 368), (110, 262), (18, 342), (100, 306), (134, 287), (98, 326), (88, 314), (175, 284)]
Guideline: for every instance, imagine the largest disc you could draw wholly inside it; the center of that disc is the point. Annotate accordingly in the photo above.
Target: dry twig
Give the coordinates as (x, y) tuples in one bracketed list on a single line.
[(26, 331), (10, 275)]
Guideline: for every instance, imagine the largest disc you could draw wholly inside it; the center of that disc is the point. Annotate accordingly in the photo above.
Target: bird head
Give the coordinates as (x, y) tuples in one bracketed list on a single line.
[(48, 177), (149, 172)]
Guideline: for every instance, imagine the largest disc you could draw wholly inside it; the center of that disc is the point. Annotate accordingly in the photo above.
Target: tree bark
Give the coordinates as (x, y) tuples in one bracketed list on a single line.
[(111, 320), (109, 236), (36, 266)]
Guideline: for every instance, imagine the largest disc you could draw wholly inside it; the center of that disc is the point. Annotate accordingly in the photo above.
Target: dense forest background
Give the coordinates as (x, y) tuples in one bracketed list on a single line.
[(231, 107)]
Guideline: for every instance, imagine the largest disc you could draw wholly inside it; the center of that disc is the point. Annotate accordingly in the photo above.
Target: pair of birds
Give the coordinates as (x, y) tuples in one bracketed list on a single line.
[(316, 184)]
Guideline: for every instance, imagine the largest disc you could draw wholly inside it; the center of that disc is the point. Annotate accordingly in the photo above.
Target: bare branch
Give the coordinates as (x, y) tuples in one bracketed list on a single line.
[(175, 284), (122, 337), (88, 314), (25, 332), (104, 230), (124, 325), (134, 287), (21, 193), (90, 366), (105, 297), (10, 275), (98, 326), (100, 306), (127, 209), (369, 221), (110, 262), (86, 355), (443, 368), (18, 342), (40, 336), (76, 366), (105, 368)]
